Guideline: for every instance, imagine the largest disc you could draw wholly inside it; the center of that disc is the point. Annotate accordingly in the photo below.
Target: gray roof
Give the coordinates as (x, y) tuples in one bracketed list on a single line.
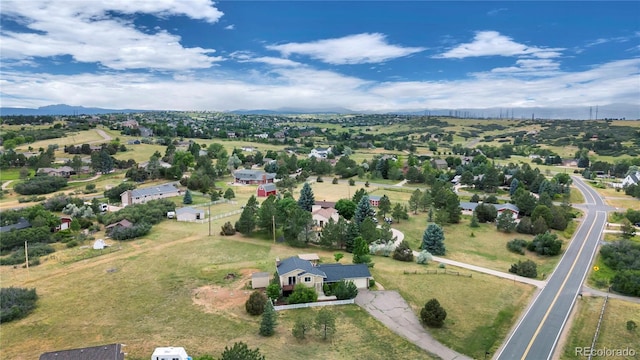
[(295, 263), (102, 352), (260, 275), (472, 206), (245, 174), (188, 210), (268, 187), (21, 224), (337, 272), (160, 189), (375, 197)]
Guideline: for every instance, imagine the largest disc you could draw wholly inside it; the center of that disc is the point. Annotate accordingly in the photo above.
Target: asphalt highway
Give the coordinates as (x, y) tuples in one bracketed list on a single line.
[(536, 335)]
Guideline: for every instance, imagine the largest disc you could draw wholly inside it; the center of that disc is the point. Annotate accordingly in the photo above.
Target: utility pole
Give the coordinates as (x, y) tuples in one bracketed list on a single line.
[(26, 256), (273, 220), (209, 218)]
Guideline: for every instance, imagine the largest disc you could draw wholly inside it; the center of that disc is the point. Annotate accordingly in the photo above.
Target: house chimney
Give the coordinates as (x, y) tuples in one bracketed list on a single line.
[(277, 261)]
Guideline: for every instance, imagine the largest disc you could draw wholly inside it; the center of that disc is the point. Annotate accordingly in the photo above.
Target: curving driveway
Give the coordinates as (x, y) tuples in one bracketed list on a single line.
[(393, 311)]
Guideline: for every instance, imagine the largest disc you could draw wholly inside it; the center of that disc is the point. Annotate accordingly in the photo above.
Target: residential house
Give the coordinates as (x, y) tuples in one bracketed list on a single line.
[(631, 179), (231, 134), (321, 216), (170, 353), (248, 148), (189, 214), (132, 124), (320, 153), (295, 270), (260, 280), (279, 135), (324, 205), (102, 352), (261, 136), (265, 190), (141, 196), (244, 176), (124, 223), (374, 200), (63, 171), (469, 207), (21, 224), (439, 164)]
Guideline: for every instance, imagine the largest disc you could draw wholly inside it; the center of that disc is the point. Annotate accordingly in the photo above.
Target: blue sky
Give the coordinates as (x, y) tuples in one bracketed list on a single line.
[(365, 56)]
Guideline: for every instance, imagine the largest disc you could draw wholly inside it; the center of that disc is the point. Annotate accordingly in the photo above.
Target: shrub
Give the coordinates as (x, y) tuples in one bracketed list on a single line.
[(40, 185), (255, 303), (627, 282), (424, 257), (352, 182), (300, 328), (403, 252), (302, 294), (238, 351), (344, 290), (517, 246), (227, 229), (335, 180), (16, 303), (382, 249), (432, 314), (631, 325), (527, 269), (273, 291), (124, 233), (319, 179), (546, 244)]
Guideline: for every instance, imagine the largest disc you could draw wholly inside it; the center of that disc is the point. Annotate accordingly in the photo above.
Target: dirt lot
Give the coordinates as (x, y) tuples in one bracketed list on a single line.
[(213, 298)]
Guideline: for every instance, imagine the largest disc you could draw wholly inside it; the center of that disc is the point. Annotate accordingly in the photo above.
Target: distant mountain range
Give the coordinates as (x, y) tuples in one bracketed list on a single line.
[(613, 111)]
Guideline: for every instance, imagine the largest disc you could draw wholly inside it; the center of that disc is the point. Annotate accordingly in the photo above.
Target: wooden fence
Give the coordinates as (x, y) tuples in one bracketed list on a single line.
[(436, 272)]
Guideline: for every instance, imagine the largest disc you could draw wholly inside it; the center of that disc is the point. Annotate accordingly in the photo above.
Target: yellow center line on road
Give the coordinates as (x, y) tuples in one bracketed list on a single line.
[(575, 261)]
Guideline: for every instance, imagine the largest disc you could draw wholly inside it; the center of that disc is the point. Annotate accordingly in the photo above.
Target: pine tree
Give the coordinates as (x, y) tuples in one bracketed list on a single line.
[(505, 222), (358, 195), (361, 251), (240, 351), (326, 323), (426, 201), (269, 320), (266, 214), (384, 205), (363, 210), (229, 194), (433, 240), (187, 199), (306, 199), (248, 220), (414, 201), (432, 314)]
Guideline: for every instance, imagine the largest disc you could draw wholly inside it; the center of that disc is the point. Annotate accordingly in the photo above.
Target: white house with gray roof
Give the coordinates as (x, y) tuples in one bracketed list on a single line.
[(189, 214), (245, 176), (141, 196), (294, 270)]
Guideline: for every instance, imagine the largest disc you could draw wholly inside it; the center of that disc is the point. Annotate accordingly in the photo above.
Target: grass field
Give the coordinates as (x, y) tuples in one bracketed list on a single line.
[(146, 295), (495, 303), (613, 331)]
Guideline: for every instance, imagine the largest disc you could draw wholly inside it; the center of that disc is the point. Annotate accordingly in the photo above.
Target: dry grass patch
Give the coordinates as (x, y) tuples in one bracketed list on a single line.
[(495, 303), (613, 331)]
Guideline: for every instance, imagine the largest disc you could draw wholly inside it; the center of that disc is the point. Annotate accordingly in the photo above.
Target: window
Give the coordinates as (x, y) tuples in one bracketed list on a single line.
[(307, 279)]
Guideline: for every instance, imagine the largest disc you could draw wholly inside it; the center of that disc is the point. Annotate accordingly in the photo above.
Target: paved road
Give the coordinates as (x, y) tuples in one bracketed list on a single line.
[(394, 312), (537, 333)]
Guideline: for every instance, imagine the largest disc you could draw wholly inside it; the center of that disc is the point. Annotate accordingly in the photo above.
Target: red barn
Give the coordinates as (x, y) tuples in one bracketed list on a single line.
[(264, 190)]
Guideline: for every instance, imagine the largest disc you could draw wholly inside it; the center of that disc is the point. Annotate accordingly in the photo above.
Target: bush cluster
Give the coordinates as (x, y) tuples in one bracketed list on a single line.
[(16, 303), (40, 185), (517, 246), (525, 268)]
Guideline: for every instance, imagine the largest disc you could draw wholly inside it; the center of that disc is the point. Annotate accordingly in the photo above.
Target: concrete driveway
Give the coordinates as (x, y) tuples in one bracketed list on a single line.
[(394, 312)]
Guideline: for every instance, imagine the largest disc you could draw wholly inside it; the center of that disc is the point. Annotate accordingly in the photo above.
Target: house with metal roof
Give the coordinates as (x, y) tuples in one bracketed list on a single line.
[(189, 214), (246, 176), (141, 196), (102, 352), (21, 224), (469, 207)]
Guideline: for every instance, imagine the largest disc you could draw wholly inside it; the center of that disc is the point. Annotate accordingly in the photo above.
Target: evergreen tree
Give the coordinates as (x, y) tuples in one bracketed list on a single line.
[(358, 195), (403, 252), (432, 314), (399, 212), (414, 201), (433, 240), (229, 194), (361, 251), (353, 231), (301, 327), (363, 210), (187, 199), (248, 218), (269, 320), (266, 214), (368, 230), (505, 222), (426, 201), (306, 199), (513, 187), (384, 205), (240, 351), (333, 233), (325, 323), (452, 206)]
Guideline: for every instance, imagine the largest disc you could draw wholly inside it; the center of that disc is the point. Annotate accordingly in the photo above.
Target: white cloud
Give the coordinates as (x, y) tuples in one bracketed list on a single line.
[(492, 43), (230, 27), (495, 12), (303, 87), (352, 49), (85, 31)]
